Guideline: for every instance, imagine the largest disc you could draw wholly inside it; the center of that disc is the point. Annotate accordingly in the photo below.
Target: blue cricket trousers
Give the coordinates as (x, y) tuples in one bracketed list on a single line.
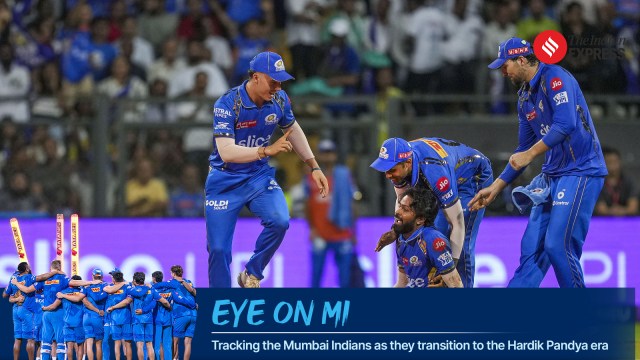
[(556, 232), (226, 192)]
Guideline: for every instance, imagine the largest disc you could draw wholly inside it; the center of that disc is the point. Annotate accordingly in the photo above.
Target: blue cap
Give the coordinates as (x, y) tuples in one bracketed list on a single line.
[(392, 152), (511, 49), (271, 64), (115, 270), (96, 272)]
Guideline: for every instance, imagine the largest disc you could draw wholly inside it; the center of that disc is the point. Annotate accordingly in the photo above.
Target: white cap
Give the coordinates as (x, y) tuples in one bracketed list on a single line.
[(339, 27)]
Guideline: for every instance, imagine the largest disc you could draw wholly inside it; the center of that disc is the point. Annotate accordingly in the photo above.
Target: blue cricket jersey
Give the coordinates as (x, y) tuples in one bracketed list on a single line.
[(236, 116), (446, 166), (143, 296), (180, 310), (424, 249), (52, 286), (73, 311), (551, 108), (30, 298), (97, 297), (120, 316)]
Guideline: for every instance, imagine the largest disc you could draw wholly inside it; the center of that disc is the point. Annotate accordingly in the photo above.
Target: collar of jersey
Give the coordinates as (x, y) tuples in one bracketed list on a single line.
[(244, 97), (413, 237), (536, 78)]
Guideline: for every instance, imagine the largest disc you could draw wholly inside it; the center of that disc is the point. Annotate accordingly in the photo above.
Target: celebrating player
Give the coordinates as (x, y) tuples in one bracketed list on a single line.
[(121, 330), (420, 246), (554, 120), (73, 312), (454, 173), (93, 319), (244, 120)]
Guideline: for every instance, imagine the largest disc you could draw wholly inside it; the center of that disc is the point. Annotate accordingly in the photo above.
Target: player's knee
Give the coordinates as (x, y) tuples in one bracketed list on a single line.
[(554, 250), (278, 223)]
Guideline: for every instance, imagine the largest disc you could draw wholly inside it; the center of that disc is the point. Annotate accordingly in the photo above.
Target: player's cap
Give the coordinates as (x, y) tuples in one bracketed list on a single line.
[(326, 145), (115, 270), (271, 64), (392, 152), (511, 49), (96, 272), (339, 27)]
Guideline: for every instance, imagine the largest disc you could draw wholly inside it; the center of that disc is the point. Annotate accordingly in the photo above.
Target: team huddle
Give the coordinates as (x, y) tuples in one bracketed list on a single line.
[(66, 318)]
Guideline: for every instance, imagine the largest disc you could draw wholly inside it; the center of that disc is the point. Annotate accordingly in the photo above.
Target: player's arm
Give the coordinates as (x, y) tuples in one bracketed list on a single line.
[(164, 303), (78, 283), (90, 306), (121, 304), (53, 306), (185, 301), (111, 289), (452, 279), (188, 286), (390, 236), (74, 297), (25, 289), (403, 280), (17, 298), (47, 276), (455, 217)]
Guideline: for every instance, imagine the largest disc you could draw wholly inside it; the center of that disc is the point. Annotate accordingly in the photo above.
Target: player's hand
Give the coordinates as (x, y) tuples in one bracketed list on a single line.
[(109, 309), (101, 312), (138, 312), (436, 281), (520, 160), (387, 238), (59, 295), (281, 145), (321, 182), (14, 281), (483, 198)]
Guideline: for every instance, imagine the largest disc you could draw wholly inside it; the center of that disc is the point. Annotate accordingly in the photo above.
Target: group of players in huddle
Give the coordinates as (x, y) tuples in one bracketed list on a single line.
[(61, 317)]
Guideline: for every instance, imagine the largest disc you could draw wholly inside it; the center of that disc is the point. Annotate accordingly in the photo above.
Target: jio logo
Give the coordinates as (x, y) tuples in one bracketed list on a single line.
[(550, 46)]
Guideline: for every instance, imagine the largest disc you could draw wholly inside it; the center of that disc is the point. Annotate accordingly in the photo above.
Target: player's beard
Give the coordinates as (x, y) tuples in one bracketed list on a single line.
[(404, 228)]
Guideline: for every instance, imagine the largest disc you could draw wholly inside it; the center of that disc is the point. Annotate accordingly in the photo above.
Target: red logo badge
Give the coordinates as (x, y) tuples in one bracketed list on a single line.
[(443, 184), (439, 244), (531, 115), (556, 84), (550, 46)]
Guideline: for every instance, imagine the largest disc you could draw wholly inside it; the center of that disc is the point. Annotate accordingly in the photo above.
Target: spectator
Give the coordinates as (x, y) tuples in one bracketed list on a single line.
[(116, 19), (54, 169), (303, 35), (188, 199), (619, 196), (142, 53), (158, 110), (183, 81), (340, 64), (537, 21), (169, 62), (17, 197), (48, 99), (330, 218), (253, 39), (146, 195), (155, 25), (15, 81), (196, 141), (121, 85), (195, 24)]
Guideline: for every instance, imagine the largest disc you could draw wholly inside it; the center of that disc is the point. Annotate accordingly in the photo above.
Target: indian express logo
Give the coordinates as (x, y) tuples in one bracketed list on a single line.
[(550, 46)]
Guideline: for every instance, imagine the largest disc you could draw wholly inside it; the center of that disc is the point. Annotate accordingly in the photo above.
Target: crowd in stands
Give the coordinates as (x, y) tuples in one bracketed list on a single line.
[(57, 56)]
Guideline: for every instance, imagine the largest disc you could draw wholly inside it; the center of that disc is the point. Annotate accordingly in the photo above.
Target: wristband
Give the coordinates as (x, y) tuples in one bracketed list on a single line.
[(315, 168)]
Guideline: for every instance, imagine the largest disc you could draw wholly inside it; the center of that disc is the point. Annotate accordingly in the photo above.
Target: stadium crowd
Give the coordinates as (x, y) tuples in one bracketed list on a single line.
[(57, 55)]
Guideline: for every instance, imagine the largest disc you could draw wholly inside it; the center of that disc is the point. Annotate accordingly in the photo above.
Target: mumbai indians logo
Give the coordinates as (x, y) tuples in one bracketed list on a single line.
[(414, 261), (437, 147), (383, 153), (270, 119), (279, 65)]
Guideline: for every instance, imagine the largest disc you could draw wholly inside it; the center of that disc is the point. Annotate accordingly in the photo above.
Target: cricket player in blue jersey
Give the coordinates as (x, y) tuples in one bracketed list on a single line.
[(25, 307), (244, 119), (453, 172), (93, 317), (73, 331), (53, 315), (420, 247), (184, 317), (37, 317), (121, 330), (553, 119)]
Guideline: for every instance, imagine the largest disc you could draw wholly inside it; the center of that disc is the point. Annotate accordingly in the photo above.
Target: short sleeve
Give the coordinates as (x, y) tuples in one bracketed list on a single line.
[(442, 183), (224, 117), (439, 250), (288, 118)]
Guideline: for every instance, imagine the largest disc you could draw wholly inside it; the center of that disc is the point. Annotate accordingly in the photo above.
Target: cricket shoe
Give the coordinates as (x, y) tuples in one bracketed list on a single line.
[(246, 280)]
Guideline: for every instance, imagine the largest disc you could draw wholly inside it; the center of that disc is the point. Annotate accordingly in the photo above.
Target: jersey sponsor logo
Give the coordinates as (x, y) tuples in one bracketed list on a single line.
[(222, 113), (254, 140), (437, 147), (419, 282), (218, 204), (52, 282), (383, 153), (165, 295), (556, 84), (95, 290), (405, 261), (447, 196), (531, 115), (246, 124), (271, 119), (443, 184), (119, 292), (561, 194), (544, 129), (423, 246), (414, 261), (561, 98), (222, 126), (404, 155), (445, 258), (439, 244)]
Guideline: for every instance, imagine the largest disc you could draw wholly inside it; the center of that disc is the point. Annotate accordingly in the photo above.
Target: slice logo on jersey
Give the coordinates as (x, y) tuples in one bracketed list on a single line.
[(414, 261), (246, 124), (165, 295), (550, 46), (561, 98), (119, 292), (217, 204), (531, 115), (556, 84), (222, 113), (271, 119), (95, 290), (439, 244), (443, 184), (437, 147), (383, 153), (254, 140), (445, 258)]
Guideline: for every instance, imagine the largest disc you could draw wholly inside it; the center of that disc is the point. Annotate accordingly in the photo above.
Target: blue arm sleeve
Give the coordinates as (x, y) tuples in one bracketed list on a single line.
[(187, 301), (561, 89)]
